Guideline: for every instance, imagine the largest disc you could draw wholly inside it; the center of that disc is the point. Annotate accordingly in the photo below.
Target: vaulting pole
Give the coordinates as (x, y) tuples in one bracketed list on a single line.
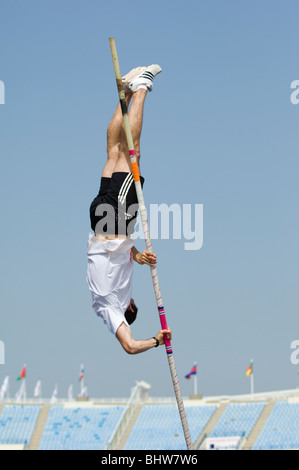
[(143, 214)]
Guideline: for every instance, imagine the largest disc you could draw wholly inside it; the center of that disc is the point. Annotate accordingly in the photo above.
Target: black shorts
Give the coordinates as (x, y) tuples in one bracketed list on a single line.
[(114, 210)]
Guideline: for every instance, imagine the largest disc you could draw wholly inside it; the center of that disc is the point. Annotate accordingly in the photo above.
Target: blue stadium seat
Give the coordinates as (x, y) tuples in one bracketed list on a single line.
[(80, 428), (158, 427), (281, 430), (17, 423), (238, 419)]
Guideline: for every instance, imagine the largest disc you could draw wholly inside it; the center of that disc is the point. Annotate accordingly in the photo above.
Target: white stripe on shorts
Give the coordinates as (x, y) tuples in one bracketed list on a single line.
[(123, 192)]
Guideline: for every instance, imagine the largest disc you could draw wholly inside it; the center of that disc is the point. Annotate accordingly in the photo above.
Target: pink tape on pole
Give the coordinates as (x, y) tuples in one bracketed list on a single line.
[(163, 320), (164, 327)]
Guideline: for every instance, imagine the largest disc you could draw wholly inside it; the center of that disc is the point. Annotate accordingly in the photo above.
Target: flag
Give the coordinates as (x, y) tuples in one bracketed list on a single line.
[(70, 393), (54, 395), (21, 393), (4, 387), (22, 374), (38, 389), (83, 392), (81, 376), (249, 370), (193, 371)]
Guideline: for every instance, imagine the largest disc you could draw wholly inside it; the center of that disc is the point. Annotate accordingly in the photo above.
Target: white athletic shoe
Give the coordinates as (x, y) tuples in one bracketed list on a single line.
[(145, 78), (126, 79)]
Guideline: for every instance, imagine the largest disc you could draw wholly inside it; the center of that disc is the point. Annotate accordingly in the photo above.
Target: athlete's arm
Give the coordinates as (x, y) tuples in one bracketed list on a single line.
[(146, 257), (132, 346)]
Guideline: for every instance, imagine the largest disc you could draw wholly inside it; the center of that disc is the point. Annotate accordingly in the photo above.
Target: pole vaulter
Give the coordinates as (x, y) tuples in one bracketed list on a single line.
[(143, 214)]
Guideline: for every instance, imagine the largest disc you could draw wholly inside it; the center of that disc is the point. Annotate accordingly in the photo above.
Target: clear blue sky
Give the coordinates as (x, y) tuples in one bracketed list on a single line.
[(219, 130)]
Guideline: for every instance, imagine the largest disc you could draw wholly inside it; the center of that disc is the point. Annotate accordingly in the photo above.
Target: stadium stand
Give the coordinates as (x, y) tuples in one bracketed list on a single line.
[(268, 421), (281, 431), (80, 428), (158, 427), (238, 419), (17, 423)]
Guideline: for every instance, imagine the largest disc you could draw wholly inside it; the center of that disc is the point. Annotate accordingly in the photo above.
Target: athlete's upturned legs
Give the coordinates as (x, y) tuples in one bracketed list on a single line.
[(114, 139), (136, 84), (117, 148)]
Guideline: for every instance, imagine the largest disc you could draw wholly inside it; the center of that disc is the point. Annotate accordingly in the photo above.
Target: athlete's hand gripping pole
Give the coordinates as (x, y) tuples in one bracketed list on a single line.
[(143, 215)]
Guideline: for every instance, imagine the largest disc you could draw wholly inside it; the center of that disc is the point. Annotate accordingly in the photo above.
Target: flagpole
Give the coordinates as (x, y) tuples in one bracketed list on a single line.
[(252, 379), (195, 382), (252, 384), (81, 379), (25, 394), (143, 214)]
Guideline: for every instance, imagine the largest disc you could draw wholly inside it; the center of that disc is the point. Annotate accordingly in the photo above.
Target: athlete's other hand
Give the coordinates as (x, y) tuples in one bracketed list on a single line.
[(147, 257)]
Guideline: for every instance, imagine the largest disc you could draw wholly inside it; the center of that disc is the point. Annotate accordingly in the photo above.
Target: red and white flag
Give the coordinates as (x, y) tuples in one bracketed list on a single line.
[(54, 395), (81, 375), (38, 389)]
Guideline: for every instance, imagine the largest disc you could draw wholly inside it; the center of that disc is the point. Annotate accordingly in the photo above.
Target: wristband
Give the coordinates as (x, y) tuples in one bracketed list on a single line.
[(157, 341)]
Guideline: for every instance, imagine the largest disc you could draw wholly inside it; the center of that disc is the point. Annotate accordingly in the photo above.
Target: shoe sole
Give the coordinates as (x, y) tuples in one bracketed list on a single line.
[(153, 70), (132, 74)]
